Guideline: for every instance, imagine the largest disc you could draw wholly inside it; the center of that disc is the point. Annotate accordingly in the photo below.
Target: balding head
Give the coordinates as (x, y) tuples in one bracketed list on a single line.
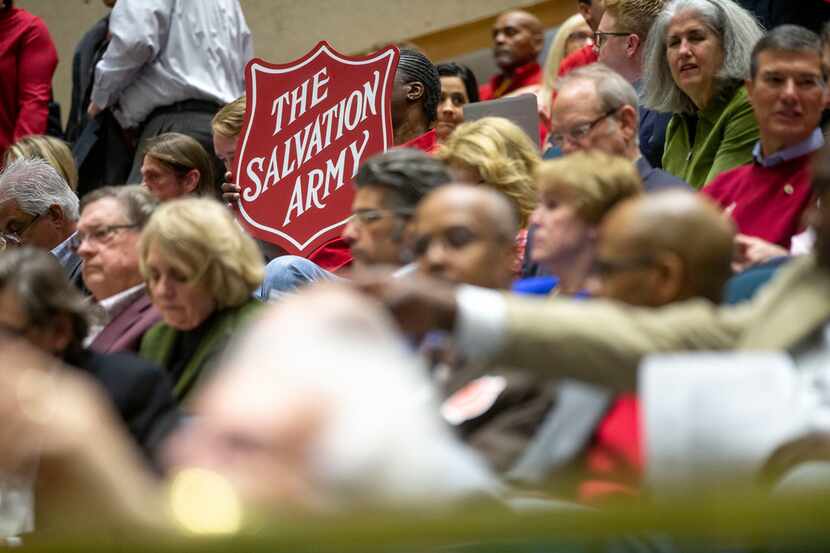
[(665, 247), (466, 234), (518, 38)]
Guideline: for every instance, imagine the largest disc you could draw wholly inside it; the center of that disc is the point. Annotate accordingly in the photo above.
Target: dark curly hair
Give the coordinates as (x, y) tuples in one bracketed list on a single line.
[(409, 173), (414, 66)]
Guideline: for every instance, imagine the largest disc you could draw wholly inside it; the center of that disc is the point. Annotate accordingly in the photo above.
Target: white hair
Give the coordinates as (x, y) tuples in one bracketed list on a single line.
[(36, 186), (382, 441), (613, 91), (737, 31)]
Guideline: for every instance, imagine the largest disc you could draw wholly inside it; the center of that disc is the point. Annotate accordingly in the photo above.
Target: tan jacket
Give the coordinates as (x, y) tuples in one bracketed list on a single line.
[(603, 342)]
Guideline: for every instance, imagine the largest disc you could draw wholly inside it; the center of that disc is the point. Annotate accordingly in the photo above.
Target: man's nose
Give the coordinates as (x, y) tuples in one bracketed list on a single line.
[(350, 232)]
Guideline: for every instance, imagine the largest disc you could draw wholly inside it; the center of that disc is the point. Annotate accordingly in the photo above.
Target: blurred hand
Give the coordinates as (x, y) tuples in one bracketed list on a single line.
[(750, 251), (418, 303), (814, 446), (93, 110), (230, 191)]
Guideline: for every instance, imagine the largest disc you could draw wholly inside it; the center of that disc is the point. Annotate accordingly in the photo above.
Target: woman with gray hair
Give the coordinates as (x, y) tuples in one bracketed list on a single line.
[(698, 55)]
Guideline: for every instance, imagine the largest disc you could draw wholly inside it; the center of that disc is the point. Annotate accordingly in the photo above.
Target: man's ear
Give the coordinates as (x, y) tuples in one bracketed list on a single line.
[(632, 45), (56, 215), (671, 280), (629, 118), (415, 91), (191, 180), (750, 89)]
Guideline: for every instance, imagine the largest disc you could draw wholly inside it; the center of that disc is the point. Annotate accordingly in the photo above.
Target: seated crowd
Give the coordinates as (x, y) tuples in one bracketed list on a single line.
[(474, 334)]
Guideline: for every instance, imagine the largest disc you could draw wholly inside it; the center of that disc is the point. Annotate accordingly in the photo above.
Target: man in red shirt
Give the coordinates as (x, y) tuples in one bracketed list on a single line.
[(517, 40), (592, 11), (767, 198)]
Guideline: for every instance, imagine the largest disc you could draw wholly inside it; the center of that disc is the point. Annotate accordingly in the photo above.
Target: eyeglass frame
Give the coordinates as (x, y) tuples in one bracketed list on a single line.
[(100, 236), (558, 139), (598, 40), (16, 237)]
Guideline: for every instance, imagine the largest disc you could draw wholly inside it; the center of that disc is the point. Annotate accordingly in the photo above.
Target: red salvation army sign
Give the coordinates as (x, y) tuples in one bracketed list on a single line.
[(309, 125)]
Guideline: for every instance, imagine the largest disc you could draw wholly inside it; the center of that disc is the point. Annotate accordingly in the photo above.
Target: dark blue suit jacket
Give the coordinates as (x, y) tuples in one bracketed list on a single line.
[(655, 180), (653, 135)]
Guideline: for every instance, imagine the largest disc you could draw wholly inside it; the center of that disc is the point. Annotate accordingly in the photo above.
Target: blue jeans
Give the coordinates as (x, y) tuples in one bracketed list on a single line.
[(286, 273)]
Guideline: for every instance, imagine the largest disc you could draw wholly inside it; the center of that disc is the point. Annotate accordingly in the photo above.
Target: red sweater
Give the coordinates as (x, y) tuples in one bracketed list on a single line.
[(584, 56), (499, 85), (27, 62), (766, 202)]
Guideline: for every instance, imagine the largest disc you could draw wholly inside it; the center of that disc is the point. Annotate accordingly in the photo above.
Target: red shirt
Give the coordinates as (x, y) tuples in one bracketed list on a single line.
[(27, 62), (427, 142), (584, 56), (499, 85), (766, 202), (332, 256)]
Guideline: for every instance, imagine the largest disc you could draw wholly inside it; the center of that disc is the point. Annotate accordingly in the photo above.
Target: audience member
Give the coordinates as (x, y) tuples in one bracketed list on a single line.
[(38, 304), (103, 153), (518, 38), (169, 70), (767, 199), (575, 193), (496, 153), (596, 109), (458, 88), (27, 62), (200, 269), (111, 221), (621, 39), (175, 165), (698, 55), (591, 11), (38, 209), (48, 148), (416, 93), (572, 35)]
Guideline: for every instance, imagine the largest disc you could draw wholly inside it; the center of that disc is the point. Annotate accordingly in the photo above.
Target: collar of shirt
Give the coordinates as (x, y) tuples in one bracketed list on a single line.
[(807, 146), (115, 305), (62, 251), (519, 75)]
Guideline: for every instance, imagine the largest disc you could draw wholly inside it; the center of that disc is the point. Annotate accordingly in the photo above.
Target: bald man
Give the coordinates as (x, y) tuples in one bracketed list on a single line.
[(466, 234), (518, 38), (662, 248)]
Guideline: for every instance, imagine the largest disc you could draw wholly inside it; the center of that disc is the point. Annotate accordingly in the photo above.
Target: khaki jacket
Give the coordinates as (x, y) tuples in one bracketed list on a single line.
[(603, 342)]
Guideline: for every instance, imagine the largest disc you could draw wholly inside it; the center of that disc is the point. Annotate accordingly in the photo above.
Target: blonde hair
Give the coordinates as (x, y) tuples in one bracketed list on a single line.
[(228, 121), (635, 16), (556, 54), (200, 237), (54, 151), (590, 182), (504, 156)]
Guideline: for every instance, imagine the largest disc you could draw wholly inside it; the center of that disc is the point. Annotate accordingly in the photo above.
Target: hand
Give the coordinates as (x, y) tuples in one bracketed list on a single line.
[(419, 304), (230, 191), (750, 251), (814, 446), (93, 110)]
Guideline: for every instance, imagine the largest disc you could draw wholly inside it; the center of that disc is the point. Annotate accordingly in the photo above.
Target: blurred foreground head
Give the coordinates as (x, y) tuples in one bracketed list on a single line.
[(321, 406)]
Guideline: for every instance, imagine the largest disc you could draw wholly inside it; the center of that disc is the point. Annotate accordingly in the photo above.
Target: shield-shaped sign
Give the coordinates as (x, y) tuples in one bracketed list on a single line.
[(309, 125)]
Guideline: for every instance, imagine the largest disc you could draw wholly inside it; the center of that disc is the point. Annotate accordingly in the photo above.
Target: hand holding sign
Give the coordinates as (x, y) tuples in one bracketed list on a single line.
[(308, 127)]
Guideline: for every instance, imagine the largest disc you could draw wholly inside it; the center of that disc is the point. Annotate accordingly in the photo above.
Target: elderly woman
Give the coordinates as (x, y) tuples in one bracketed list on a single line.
[(575, 193), (201, 270), (698, 55), (176, 165), (458, 88), (495, 152)]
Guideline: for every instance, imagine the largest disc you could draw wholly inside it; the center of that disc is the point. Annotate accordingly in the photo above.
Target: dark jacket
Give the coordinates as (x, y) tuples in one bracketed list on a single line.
[(125, 331)]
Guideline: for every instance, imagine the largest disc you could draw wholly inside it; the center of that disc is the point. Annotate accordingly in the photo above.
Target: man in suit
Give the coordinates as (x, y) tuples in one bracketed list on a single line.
[(39, 209), (603, 342), (38, 304), (108, 231)]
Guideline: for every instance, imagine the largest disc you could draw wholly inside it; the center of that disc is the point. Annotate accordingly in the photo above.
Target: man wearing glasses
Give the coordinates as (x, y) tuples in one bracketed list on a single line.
[(620, 42), (38, 209), (107, 239)]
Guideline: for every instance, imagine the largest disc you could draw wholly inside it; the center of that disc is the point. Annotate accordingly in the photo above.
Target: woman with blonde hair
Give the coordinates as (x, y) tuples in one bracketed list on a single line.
[(571, 36), (201, 270), (495, 152), (575, 194), (53, 150)]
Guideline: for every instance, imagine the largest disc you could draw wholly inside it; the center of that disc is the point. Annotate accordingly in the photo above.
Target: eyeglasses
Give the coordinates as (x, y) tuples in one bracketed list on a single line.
[(15, 237), (369, 216), (599, 37), (97, 236), (579, 132), (604, 268)]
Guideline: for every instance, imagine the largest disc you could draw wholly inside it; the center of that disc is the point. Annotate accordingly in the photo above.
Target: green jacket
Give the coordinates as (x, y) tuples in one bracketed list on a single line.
[(725, 135), (157, 344)]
